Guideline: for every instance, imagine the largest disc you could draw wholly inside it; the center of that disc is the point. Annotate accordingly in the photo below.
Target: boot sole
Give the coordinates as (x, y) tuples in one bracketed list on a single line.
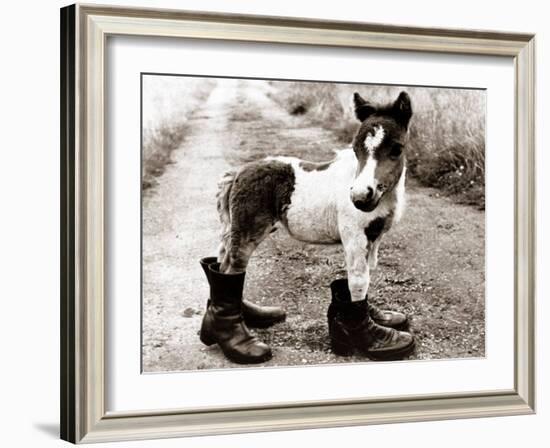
[(235, 357), (394, 355), (244, 360), (390, 355)]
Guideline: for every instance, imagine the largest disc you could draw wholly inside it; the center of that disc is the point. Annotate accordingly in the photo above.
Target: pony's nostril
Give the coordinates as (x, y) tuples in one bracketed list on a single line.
[(370, 194)]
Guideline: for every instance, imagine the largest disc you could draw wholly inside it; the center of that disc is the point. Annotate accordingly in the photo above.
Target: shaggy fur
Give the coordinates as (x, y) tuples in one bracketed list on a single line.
[(250, 202)]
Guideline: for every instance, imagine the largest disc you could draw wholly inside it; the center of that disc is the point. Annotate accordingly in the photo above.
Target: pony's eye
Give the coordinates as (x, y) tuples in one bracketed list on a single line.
[(396, 151)]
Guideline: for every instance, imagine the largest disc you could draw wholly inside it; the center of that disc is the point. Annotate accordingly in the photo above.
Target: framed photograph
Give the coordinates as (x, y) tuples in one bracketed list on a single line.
[(280, 223)]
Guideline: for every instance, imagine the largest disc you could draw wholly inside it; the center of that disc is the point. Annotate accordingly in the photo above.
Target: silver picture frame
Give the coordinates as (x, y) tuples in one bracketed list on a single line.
[(84, 418)]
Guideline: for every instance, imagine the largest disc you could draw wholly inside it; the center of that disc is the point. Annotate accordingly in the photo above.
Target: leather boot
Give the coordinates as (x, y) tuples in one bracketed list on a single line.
[(255, 316), (223, 321), (352, 330), (340, 293)]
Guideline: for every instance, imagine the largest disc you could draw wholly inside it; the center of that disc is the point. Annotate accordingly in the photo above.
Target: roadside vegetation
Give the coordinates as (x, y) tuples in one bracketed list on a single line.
[(168, 102), (446, 148)]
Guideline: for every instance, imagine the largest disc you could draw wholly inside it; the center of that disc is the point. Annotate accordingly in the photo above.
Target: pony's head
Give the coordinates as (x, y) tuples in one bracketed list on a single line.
[(379, 147)]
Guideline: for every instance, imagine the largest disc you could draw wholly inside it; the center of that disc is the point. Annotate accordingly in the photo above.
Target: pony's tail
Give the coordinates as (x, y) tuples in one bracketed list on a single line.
[(224, 211)]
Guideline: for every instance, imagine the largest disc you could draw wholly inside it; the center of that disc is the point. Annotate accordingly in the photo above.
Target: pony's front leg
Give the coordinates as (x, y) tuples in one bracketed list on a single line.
[(373, 253), (356, 251)]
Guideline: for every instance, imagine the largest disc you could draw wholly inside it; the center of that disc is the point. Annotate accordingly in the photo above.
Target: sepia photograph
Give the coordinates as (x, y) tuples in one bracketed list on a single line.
[(296, 223)]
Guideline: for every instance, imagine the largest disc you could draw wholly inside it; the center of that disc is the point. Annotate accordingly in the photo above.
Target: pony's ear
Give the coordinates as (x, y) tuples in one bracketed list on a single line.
[(402, 109), (363, 109)]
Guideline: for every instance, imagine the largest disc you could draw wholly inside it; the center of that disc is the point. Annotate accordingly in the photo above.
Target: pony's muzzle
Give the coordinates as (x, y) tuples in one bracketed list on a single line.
[(365, 201)]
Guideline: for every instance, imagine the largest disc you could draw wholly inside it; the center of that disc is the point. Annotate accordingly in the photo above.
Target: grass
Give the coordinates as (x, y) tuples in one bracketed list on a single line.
[(446, 148), (168, 102)]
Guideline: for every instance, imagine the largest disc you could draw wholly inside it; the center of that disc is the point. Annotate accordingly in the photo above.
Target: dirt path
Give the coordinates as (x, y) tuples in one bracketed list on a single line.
[(431, 264)]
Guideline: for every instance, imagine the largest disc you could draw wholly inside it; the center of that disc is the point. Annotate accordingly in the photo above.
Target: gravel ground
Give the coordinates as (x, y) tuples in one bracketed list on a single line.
[(431, 264)]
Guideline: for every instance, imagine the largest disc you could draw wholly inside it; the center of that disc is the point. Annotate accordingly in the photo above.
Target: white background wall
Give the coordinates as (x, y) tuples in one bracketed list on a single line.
[(29, 256)]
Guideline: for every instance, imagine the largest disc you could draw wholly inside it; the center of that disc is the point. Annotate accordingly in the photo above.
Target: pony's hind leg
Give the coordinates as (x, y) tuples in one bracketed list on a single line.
[(250, 209), (240, 248), (224, 242)]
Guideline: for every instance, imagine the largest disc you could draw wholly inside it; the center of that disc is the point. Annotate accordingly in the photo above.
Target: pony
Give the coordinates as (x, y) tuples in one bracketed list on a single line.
[(352, 200)]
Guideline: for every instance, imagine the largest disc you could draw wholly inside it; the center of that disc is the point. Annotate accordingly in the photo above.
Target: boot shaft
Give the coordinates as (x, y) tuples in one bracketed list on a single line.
[(224, 311), (226, 289), (205, 263), (342, 305), (339, 289)]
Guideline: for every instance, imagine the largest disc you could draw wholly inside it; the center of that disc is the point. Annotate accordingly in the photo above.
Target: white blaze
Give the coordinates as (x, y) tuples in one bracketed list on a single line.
[(366, 177), (373, 141)]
